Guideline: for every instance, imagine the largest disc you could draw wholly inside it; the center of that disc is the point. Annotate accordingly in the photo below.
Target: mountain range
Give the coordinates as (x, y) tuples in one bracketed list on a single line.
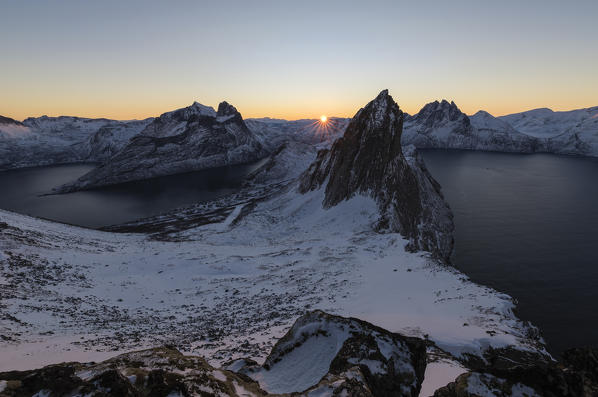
[(199, 137)]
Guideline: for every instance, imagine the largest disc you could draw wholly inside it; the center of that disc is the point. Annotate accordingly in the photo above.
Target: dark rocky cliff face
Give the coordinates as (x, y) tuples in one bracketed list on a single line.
[(368, 159)]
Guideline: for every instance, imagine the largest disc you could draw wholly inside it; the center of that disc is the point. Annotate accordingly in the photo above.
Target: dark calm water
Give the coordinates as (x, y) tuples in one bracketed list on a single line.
[(22, 191), (527, 225)]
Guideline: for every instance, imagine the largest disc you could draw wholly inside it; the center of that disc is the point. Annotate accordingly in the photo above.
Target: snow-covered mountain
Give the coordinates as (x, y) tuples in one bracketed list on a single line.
[(52, 140), (571, 132), (441, 125), (188, 139), (368, 159)]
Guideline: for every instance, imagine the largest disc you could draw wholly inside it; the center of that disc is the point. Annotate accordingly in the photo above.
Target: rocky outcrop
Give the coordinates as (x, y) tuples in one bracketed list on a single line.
[(321, 355), (154, 372), (368, 159), (576, 376), (327, 354), (188, 139)]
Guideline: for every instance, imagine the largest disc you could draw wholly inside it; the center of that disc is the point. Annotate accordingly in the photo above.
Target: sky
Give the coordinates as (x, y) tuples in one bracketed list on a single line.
[(294, 59)]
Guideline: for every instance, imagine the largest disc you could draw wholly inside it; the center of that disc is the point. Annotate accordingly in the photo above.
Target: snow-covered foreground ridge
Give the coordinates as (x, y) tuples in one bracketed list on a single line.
[(321, 355)]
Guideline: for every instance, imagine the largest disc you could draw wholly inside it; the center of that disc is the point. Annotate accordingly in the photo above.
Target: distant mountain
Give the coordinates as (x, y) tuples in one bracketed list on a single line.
[(570, 132), (441, 125), (275, 132), (188, 139), (52, 140)]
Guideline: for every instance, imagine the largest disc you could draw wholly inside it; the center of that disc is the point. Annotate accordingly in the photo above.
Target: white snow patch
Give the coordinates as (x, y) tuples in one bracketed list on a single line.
[(439, 374), (219, 375)]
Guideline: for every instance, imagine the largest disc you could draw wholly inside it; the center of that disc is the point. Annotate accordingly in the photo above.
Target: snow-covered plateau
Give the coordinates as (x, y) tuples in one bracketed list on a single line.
[(326, 274)]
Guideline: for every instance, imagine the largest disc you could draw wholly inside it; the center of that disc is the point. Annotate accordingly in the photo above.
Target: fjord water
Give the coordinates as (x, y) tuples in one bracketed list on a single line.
[(527, 225), (24, 191)]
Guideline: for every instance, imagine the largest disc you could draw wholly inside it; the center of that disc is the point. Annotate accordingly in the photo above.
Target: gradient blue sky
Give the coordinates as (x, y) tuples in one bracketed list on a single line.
[(294, 59)]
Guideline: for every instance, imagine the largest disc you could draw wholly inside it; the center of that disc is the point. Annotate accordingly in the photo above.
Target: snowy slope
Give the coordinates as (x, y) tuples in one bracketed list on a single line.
[(231, 291)]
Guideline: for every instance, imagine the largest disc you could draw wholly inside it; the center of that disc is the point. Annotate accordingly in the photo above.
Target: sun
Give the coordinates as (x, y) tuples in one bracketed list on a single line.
[(323, 119)]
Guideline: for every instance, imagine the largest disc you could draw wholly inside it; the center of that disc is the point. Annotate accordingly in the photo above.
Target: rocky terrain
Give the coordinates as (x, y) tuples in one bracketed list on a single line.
[(576, 375), (321, 355)]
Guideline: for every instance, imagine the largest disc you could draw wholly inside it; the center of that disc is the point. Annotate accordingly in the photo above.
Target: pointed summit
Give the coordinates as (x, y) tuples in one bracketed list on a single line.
[(226, 109), (368, 160)]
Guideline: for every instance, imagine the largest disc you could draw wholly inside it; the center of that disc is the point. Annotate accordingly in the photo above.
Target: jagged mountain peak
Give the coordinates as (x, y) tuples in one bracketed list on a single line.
[(435, 114), (368, 160), (440, 105), (226, 109), (378, 109)]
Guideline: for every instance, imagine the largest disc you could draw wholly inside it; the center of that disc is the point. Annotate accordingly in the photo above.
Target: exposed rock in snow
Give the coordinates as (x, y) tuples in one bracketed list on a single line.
[(321, 355), (154, 372), (188, 139), (577, 376), (319, 348), (368, 159)]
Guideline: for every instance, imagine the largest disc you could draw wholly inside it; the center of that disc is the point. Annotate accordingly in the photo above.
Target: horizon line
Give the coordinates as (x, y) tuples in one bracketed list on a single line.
[(289, 119)]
